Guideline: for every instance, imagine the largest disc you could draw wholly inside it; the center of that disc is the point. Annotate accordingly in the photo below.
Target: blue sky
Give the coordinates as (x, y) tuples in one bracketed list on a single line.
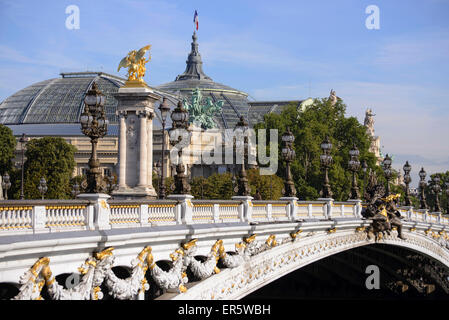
[(271, 50)]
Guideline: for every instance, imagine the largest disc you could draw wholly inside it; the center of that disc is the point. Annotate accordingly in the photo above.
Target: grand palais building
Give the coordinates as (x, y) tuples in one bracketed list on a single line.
[(53, 108)]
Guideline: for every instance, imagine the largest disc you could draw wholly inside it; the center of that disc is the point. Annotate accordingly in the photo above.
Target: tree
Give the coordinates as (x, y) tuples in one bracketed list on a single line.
[(310, 127), (53, 159), (269, 186), (7, 147)]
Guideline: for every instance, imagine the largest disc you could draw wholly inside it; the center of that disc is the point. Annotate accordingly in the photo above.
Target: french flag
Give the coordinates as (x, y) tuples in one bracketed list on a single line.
[(195, 19)]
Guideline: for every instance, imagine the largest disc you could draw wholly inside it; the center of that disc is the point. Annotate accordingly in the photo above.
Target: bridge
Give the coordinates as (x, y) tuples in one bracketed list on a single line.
[(185, 248)]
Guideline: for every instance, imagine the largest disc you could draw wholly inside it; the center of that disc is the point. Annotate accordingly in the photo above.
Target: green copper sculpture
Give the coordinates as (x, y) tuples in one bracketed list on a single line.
[(202, 114)]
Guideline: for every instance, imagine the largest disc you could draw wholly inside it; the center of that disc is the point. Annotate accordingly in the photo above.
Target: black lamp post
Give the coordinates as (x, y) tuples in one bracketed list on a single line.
[(180, 137), (42, 187), (240, 129), (436, 189), (422, 187), (288, 153), (446, 184), (164, 109), (6, 184), (95, 126), (23, 140), (75, 190), (326, 161), (386, 166), (364, 169), (407, 179), (354, 167)]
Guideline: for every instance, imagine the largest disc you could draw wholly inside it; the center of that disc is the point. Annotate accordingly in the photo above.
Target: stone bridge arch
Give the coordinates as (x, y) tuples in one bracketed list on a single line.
[(281, 260)]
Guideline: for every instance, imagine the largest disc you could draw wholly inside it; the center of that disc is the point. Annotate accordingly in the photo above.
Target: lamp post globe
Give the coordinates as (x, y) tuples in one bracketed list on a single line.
[(407, 179), (422, 187), (354, 167), (241, 140), (180, 137), (326, 161), (386, 166), (288, 154), (436, 189), (95, 126), (23, 141)]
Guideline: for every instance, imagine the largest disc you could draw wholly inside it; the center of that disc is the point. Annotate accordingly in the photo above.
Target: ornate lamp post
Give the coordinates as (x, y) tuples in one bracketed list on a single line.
[(386, 166), (164, 109), (446, 184), (243, 188), (354, 167), (364, 169), (75, 190), (42, 187), (6, 184), (326, 161), (436, 189), (422, 187), (110, 183), (407, 179), (289, 155), (94, 125), (180, 138), (23, 140)]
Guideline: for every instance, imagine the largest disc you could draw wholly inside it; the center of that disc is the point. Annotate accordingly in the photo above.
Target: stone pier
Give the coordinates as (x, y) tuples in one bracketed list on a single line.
[(136, 111)]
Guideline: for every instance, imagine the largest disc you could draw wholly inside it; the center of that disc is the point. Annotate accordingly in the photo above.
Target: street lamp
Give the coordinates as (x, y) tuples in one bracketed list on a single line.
[(289, 155), (94, 125), (6, 184), (386, 166), (23, 140), (422, 187), (326, 161), (364, 169), (446, 184), (164, 109), (436, 189), (407, 179), (240, 129), (354, 166), (180, 137), (42, 187), (75, 190)]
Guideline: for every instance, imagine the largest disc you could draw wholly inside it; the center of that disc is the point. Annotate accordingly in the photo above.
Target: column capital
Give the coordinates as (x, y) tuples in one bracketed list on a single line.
[(122, 113)]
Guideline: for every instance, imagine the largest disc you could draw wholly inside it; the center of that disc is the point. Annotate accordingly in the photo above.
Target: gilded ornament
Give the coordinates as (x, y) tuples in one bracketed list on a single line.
[(135, 62)]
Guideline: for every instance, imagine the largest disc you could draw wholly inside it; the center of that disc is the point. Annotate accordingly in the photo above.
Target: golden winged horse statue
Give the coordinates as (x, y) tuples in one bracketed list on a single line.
[(135, 62)]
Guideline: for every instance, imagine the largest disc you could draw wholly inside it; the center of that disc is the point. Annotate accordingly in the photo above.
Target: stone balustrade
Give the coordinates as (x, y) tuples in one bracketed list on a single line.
[(37, 216)]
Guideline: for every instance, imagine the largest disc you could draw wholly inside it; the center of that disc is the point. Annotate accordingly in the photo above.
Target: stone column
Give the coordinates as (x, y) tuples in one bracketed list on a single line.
[(135, 142), (143, 152), (122, 152), (150, 151)]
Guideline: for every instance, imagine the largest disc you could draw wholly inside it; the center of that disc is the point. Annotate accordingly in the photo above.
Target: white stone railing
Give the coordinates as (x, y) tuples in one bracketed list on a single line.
[(37, 216), (63, 216)]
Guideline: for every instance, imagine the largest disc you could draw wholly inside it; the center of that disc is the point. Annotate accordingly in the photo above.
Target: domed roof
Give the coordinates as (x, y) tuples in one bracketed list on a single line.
[(235, 102), (60, 102)]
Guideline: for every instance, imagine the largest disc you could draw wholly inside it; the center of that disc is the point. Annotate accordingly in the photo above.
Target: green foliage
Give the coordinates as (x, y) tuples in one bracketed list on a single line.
[(430, 196), (7, 147), (310, 127), (53, 159), (216, 186), (168, 182), (269, 186)]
